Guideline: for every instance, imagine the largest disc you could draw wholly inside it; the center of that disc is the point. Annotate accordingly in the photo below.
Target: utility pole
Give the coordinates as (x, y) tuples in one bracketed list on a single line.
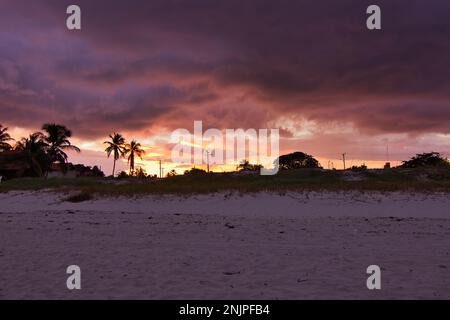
[(343, 159), (207, 159), (160, 169)]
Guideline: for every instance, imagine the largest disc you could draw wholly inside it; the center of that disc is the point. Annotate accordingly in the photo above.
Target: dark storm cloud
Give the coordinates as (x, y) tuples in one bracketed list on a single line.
[(138, 64)]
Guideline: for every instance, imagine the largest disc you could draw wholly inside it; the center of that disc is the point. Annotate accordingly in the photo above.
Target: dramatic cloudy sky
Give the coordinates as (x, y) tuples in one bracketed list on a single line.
[(310, 68)]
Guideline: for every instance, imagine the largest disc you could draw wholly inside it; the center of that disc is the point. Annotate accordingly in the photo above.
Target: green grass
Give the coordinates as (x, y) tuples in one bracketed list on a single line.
[(297, 180)]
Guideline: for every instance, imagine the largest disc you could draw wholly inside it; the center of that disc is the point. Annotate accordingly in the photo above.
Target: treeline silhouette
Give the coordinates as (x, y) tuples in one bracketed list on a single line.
[(42, 149)]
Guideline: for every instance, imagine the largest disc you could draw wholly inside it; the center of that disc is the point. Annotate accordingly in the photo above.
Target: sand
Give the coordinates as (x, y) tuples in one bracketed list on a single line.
[(226, 246)]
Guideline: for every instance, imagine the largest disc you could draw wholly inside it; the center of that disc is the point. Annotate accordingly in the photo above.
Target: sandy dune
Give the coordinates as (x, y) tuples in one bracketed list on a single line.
[(226, 246)]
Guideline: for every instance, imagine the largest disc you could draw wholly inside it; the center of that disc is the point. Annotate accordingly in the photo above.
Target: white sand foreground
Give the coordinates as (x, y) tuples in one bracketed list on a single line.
[(226, 246)]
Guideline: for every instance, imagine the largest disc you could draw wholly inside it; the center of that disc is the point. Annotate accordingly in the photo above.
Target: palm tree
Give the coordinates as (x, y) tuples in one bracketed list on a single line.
[(244, 165), (35, 149), (116, 146), (133, 150), (57, 139), (4, 137)]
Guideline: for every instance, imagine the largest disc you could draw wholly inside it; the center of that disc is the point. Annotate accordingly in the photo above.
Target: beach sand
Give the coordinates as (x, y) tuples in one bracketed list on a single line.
[(314, 245)]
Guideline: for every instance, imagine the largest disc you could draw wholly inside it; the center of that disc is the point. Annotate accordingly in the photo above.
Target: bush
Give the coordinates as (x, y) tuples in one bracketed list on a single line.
[(195, 171), (431, 159), (297, 160), (122, 175), (362, 167), (80, 197), (140, 173)]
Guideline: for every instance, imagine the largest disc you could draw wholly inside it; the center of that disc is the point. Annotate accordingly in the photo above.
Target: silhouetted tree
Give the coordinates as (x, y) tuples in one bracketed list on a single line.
[(297, 160), (122, 175), (195, 171), (4, 138), (116, 146), (430, 159), (57, 139), (133, 150), (140, 173), (35, 149), (172, 173), (96, 172), (247, 166), (362, 167)]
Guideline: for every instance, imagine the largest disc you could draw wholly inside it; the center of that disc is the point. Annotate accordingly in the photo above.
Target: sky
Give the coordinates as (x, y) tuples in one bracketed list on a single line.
[(309, 68)]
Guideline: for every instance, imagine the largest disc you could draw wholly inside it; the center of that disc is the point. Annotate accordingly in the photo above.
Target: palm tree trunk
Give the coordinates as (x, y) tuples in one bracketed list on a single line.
[(114, 168), (131, 165)]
